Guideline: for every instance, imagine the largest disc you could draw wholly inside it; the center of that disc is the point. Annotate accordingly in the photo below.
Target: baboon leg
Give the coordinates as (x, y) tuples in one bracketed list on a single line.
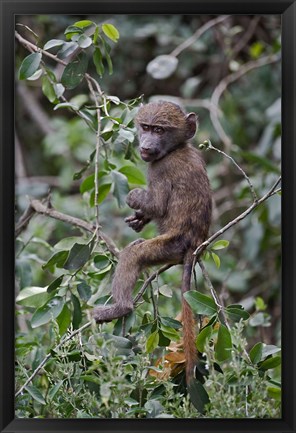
[(132, 260)]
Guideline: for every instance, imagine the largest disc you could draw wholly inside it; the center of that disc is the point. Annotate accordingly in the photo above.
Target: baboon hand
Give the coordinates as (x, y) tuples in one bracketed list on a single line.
[(137, 221), (135, 197)]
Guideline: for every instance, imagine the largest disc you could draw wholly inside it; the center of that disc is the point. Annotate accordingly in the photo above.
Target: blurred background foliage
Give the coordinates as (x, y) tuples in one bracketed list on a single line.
[(53, 145)]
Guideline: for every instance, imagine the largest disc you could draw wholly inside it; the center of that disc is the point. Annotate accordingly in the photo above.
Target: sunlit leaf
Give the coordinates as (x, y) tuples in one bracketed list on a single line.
[(111, 32)]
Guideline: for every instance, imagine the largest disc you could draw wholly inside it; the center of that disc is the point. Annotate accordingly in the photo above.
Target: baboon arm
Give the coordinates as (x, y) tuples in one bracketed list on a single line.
[(152, 202)]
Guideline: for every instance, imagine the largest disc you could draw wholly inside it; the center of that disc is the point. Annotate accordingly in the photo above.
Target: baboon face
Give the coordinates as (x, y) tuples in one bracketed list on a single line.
[(162, 127)]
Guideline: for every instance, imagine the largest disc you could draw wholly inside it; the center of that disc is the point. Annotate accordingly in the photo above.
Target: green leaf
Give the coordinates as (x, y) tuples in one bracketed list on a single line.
[(219, 245), (216, 259), (133, 174), (166, 291), (260, 304), (67, 243), (152, 342), (29, 65), (120, 187), (36, 75), (57, 259), (203, 337), (79, 255), (53, 390), (107, 50), (87, 184), (53, 43), (170, 333), (200, 303), (270, 363), (72, 30), (274, 392), (32, 296), (84, 291), (103, 192), (48, 89), (269, 349), (84, 24), (101, 261), (198, 395), (65, 105), (55, 284), (77, 315), (111, 32), (64, 320), (256, 353), (172, 323), (35, 393), (224, 344), (98, 62), (74, 72), (236, 313), (67, 49), (84, 41), (256, 49), (47, 312)]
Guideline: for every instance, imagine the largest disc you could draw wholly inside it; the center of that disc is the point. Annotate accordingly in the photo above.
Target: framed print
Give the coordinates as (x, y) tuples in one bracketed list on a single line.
[(147, 216)]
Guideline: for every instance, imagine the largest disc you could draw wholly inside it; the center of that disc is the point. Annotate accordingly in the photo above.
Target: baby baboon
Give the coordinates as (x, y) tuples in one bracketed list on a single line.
[(178, 199)]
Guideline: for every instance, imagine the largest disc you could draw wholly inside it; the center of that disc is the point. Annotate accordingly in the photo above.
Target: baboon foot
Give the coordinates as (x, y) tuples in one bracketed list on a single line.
[(108, 313)]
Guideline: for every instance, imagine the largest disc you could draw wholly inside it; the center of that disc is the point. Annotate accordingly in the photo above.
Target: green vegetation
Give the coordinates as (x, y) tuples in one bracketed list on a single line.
[(78, 91)]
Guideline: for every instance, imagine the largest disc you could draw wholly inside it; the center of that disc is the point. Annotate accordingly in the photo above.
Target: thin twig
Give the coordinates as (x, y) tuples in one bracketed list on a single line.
[(271, 192), (198, 34), (210, 146), (213, 293)]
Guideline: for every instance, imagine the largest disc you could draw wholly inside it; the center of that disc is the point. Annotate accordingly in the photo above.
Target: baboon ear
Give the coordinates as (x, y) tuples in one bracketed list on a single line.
[(191, 125)]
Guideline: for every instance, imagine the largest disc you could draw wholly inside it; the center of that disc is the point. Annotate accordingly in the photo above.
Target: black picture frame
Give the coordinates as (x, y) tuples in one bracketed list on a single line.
[(9, 9)]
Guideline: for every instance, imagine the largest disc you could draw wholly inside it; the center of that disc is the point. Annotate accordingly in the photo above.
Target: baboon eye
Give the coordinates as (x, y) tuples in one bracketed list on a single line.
[(158, 130), (145, 127)]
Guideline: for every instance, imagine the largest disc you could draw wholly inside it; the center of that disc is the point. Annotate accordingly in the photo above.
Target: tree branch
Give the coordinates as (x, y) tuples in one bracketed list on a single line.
[(33, 48), (240, 217)]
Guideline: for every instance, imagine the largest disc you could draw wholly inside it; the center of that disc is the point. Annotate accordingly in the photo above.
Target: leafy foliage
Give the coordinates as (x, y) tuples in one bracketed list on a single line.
[(134, 367)]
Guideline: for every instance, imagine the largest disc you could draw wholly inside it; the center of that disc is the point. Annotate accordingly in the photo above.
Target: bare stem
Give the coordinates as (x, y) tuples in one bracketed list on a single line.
[(240, 217)]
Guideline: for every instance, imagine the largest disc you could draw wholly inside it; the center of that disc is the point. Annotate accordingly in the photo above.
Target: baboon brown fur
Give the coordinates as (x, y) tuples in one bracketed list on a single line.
[(178, 198)]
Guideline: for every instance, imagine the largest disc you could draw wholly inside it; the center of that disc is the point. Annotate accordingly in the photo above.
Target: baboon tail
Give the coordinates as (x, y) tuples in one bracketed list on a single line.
[(188, 320)]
